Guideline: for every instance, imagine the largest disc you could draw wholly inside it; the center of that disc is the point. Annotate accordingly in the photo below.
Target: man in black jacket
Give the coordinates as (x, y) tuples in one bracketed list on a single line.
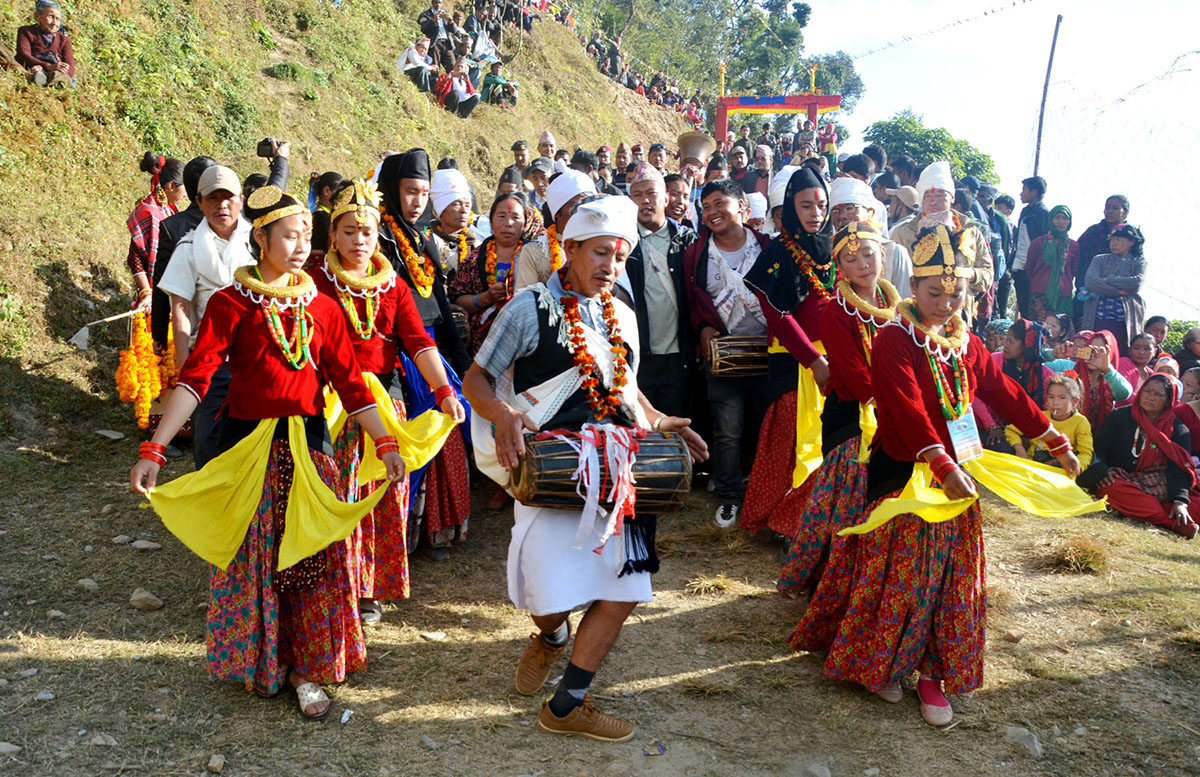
[(433, 22), (174, 228), (655, 272)]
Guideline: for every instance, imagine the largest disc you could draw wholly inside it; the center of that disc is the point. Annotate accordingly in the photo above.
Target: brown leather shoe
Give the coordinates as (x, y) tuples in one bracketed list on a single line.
[(534, 666), (586, 721)]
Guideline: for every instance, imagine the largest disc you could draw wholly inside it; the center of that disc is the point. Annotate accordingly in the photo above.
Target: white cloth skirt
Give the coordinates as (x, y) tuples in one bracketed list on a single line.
[(546, 575)]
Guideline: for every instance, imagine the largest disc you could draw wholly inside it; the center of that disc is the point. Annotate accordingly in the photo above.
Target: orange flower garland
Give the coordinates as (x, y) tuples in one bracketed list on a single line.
[(806, 265), (420, 268), (462, 241), (138, 372), (168, 371), (557, 259), (610, 402)]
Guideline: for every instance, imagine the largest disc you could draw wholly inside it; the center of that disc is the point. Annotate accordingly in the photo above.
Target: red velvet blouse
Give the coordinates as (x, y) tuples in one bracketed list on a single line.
[(849, 373), (396, 319), (909, 413), (263, 385)]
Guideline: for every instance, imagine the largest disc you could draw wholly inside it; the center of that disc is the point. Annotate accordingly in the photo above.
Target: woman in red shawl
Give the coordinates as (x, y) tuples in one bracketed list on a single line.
[(1143, 464), (1103, 385)]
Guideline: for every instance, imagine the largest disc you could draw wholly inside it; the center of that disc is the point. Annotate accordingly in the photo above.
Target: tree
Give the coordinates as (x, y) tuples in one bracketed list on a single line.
[(836, 75), (905, 133)]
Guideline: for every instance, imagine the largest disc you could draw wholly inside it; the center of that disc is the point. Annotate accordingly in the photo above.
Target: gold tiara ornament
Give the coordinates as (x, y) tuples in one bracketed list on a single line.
[(852, 238), (926, 252), (269, 196), (362, 198)]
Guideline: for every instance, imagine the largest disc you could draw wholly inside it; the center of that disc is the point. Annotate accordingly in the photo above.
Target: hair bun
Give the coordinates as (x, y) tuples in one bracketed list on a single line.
[(149, 162)]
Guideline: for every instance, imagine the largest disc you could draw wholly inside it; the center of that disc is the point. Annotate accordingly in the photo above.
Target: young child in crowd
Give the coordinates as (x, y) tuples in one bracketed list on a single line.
[(1062, 408)]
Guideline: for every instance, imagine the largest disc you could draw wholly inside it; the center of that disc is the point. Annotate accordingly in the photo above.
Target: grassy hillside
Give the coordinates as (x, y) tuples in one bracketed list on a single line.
[(189, 77)]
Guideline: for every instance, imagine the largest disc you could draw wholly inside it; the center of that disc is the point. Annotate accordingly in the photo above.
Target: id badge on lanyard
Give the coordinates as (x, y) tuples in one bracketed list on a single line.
[(964, 435)]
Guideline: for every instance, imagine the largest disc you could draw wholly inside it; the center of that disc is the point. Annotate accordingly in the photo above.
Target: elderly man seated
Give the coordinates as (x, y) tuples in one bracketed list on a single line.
[(44, 50)]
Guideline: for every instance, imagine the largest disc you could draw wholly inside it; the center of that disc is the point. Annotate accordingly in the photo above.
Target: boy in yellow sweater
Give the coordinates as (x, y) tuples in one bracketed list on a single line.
[(1063, 393)]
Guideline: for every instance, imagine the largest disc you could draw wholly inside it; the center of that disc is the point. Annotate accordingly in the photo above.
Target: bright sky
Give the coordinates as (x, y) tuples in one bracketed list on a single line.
[(1114, 123)]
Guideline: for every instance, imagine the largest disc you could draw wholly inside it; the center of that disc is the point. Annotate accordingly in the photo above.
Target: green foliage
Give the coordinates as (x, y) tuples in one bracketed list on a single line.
[(1174, 340), (287, 71), (836, 75), (14, 323), (265, 38), (905, 133)]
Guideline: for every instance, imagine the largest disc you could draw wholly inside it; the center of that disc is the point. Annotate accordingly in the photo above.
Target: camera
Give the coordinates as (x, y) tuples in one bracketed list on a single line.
[(266, 147), (1083, 352)]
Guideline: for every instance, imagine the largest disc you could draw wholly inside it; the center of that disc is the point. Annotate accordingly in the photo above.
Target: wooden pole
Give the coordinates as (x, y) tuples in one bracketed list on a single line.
[(1037, 151)]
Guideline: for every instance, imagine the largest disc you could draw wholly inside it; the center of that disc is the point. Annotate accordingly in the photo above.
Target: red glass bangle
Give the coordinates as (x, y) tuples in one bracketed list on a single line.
[(942, 466), (153, 451), (1058, 444), (442, 392)]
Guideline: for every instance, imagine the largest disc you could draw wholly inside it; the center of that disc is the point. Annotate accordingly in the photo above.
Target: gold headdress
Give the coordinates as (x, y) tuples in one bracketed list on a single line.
[(934, 254), (269, 197), (852, 235), (362, 198)]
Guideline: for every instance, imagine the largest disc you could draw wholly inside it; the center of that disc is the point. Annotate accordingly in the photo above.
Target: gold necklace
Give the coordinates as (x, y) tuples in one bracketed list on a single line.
[(891, 298), (955, 339), (302, 287)]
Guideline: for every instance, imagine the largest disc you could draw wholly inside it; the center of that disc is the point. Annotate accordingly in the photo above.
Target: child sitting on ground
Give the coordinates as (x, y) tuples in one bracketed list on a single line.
[(1063, 393)]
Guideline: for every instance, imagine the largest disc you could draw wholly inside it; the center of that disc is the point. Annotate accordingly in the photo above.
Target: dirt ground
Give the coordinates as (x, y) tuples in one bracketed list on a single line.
[(1100, 667)]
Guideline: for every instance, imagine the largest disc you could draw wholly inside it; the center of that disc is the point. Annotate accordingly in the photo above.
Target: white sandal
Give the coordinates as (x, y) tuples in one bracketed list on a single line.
[(309, 694)]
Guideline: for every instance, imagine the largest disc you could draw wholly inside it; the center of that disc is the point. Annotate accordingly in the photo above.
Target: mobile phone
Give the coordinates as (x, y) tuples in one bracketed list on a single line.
[(1083, 352)]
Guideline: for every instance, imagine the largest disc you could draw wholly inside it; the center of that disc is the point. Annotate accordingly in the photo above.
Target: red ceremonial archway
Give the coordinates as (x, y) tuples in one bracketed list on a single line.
[(811, 105)]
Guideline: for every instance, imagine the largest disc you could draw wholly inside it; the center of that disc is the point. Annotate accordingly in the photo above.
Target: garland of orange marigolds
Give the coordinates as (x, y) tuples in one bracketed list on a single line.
[(138, 375)]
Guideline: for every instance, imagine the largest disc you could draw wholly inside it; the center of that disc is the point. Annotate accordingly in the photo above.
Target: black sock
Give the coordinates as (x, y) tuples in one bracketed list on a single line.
[(571, 690), (560, 636)]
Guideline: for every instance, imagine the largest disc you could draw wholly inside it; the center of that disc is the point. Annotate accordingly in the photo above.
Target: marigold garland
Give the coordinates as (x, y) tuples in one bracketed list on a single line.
[(557, 258), (420, 269), (138, 377), (610, 402), (463, 248), (808, 267)]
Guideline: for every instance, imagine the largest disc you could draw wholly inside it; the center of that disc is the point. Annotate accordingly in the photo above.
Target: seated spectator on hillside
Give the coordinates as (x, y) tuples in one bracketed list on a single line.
[(1063, 393), (418, 65), (858, 166), (1060, 330), (1188, 355), (1103, 385), (454, 91), (498, 90), (433, 22), (1020, 358), (1051, 265), (1139, 364), (44, 50), (1144, 463), (595, 46), (1158, 327)]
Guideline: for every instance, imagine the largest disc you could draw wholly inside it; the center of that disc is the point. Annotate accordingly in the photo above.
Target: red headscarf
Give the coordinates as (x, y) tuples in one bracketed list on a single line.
[(1097, 398), (1158, 432)]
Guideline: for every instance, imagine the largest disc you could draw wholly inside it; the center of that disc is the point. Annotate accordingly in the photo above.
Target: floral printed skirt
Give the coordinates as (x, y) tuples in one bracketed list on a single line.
[(914, 600), (835, 502), (770, 499), (261, 621), (379, 546)]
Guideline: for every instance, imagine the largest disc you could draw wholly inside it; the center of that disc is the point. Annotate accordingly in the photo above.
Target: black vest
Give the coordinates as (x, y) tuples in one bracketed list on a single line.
[(549, 360)]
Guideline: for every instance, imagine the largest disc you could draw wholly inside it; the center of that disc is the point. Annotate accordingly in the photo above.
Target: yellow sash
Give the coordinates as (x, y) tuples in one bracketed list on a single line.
[(809, 403), (211, 509), (419, 438), (1035, 488), (868, 425)]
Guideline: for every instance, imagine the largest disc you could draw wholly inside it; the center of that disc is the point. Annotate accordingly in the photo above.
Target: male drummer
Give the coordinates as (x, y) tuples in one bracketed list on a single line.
[(562, 560), (719, 304)]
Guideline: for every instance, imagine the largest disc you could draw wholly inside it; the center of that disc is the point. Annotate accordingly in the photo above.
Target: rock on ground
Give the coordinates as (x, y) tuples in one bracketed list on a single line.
[(1023, 736), (141, 599), (216, 763)]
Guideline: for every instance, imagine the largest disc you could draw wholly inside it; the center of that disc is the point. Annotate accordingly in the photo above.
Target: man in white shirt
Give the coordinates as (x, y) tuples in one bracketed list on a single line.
[(203, 263), (719, 304)]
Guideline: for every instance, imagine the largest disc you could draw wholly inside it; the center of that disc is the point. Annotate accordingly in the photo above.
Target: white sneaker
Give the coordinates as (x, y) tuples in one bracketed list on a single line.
[(727, 516)]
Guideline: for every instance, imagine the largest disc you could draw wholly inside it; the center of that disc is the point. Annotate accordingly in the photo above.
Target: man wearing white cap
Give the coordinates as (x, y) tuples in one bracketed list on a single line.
[(202, 264), (935, 190), (655, 270), (450, 196), (560, 560), (851, 200), (758, 211), (539, 258)]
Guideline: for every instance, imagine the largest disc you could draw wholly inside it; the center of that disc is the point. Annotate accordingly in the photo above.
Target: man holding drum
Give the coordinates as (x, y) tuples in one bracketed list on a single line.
[(722, 309), (563, 358)]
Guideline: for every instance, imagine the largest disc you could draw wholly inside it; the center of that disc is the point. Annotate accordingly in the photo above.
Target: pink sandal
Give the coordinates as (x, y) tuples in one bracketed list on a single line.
[(935, 707)]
